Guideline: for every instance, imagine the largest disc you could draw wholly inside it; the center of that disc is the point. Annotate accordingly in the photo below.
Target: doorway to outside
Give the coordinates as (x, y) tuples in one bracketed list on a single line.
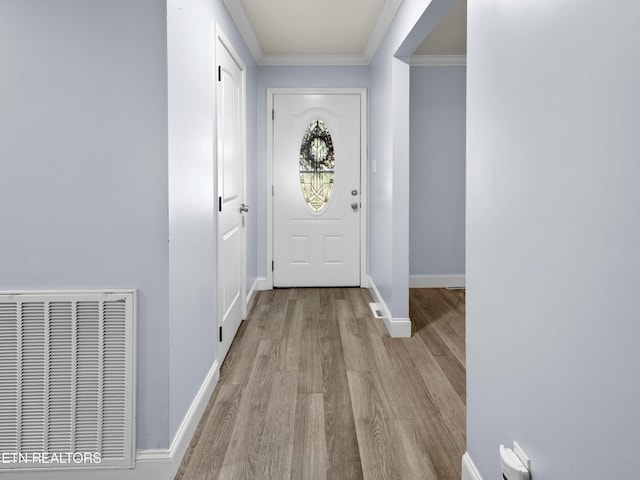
[(316, 184)]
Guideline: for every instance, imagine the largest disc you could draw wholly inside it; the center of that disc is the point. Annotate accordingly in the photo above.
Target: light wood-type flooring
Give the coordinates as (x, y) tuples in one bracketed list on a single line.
[(313, 387)]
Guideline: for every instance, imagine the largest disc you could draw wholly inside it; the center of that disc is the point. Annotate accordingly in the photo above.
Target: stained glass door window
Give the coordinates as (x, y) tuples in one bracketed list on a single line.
[(317, 165)]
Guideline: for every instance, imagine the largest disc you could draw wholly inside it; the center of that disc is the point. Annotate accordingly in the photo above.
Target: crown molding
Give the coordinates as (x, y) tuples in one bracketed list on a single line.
[(244, 26), (387, 13), (313, 60), (438, 60)]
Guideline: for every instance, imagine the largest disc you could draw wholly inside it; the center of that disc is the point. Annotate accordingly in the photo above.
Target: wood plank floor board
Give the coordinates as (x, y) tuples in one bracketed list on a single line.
[(360, 299), (412, 462), (269, 322), (237, 367), (277, 441), (455, 373), (234, 355), (438, 443), (447, 322), (374, 443), (313, 388), (309, 460), (455, 297), (340, 431), (431, 338), (243, 452), (447, 360), (453, 341), (210, 447), (310, 379), (353, 333), (291, 341), (450, 409), (384, 377)]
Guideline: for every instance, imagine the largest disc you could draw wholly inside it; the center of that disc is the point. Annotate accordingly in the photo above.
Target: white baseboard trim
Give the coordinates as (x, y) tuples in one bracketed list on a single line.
[(261, 284), (397, 327), (190, 422), (436, 281), (251, 296), (469, 470)]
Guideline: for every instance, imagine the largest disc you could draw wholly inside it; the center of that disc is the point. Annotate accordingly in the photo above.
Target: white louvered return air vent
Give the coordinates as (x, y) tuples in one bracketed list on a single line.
[(67, 372)]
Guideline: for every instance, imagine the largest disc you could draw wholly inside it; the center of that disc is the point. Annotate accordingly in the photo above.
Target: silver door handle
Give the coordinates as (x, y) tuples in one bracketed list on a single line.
[(244, 208), (354, 206)]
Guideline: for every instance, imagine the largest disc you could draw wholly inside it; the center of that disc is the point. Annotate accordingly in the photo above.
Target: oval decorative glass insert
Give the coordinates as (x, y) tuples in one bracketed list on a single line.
[(317, 164)]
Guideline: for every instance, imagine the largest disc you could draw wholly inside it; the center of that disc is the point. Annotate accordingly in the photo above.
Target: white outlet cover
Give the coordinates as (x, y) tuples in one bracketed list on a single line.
[(521, 455)]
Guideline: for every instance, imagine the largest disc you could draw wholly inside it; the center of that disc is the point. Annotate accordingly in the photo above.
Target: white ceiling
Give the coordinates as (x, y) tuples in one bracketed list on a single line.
[(449, 37), (310, 32)]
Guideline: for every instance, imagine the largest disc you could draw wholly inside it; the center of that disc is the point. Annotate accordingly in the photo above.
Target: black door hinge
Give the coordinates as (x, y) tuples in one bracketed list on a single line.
[(273, 265), (273, 114), (220, 337), (219, 73), (219, 204)]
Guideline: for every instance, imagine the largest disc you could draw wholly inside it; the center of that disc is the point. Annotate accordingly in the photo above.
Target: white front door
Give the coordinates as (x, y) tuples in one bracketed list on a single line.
[(231, 181), (316, 196)]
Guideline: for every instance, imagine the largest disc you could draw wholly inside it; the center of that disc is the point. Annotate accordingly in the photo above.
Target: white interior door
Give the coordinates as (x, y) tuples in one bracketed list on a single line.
[(317, 194), (231, 184)]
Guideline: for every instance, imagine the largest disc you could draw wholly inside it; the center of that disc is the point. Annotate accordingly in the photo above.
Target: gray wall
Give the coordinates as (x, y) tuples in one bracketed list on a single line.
[(437, 184), (83, 159), (192, 182), (389, 153), (552, 236), (107, 174)]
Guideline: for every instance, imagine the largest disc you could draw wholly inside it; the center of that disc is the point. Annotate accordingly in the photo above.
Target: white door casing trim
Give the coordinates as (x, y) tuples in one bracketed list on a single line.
[(222, 41), (364, 163)]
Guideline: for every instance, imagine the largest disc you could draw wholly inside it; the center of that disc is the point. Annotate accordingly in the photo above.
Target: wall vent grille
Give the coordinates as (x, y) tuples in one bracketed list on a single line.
[(67, 373)]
